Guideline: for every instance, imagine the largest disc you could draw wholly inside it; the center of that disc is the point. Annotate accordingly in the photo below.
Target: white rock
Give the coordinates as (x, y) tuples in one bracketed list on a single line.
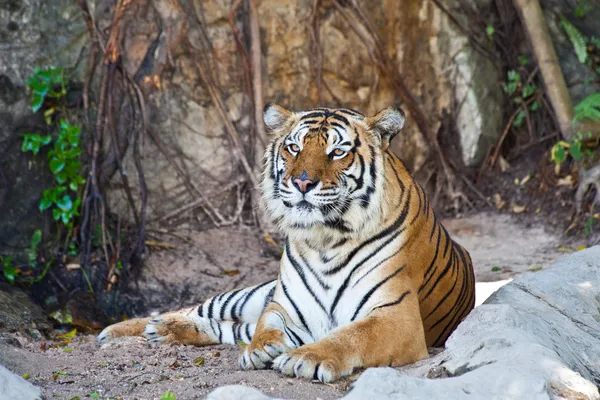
[(13, 387), (237, 392)]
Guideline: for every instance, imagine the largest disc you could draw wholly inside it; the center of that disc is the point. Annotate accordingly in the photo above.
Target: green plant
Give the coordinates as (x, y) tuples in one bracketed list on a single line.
[(573, 147), (168, 396), (582, 8), (63, 157), (588, 108), (587, 227), (45, 83), (576, 38), (490, 30), (63, 160), (520, 94), (31, 252), (9, 269)]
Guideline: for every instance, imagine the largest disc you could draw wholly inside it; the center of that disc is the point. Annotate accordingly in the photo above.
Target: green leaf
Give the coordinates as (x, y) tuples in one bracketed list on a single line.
[(94, 395), (36, 239), (199, 361), (575, 150), (10, 271), (56, 214), (523, 60), (496, 269), (588, 108), (65, 203), (45, 203), (489, 29), (576, 38), (587, 227), (558, 154), (56, 165), (528, 90), (168, 396), (518, 121), (534, 106), (582, 8)]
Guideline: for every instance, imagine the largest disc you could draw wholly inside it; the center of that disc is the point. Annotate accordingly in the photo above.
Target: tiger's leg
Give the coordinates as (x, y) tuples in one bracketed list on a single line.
[(225, 318), (275, 334), (391, 335)]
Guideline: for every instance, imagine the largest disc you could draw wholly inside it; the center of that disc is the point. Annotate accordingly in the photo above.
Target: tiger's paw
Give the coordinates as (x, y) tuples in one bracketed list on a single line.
[(313, 362), (176, 328), (263, 349), (132, 327)]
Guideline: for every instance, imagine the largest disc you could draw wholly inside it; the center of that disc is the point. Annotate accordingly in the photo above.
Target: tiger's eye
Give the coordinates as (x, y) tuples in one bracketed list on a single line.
[(338, 152), (293, 148)]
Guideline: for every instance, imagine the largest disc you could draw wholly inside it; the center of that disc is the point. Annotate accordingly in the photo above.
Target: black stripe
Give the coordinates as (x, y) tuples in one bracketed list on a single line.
[(314, 273), (300, 271), (340, 118), (368, 295), (377, 265), (296, 309), (248, 335), (390, 229), (440, 276), (212, 327), (350, 111), (290, 332), (249, 295), (442, 300), (269, 296), (414, 218), (211, 307), (347, 280), (393, 303), (224, 306), (430, 268), (460, 312)]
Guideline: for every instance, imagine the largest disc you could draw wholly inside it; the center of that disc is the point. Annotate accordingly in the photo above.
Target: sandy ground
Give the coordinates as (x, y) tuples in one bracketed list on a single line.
[(129, 368)]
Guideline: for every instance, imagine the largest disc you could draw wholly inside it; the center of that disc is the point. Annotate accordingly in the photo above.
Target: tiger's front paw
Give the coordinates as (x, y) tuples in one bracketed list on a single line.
[(314, 362), (263, 349)]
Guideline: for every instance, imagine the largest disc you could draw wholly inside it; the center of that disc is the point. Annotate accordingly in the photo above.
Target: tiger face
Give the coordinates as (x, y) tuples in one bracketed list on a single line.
[(324, 168)]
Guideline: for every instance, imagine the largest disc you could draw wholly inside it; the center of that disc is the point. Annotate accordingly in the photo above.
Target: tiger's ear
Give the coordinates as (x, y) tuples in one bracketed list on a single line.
[(275, 116), (387, 123)]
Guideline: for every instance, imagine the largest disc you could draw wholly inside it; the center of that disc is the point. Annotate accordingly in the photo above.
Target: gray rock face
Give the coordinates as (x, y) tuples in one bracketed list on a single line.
[(538, 337), (19, 313), (13, 387)]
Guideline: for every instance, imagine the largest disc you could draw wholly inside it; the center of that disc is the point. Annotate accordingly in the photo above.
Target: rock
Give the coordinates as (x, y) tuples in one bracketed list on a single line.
[(237, 392), (13, 387), (19, 313), (538, 337)]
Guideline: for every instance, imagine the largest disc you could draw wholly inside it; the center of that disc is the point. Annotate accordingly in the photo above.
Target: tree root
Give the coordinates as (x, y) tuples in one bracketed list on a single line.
[(588, 179)]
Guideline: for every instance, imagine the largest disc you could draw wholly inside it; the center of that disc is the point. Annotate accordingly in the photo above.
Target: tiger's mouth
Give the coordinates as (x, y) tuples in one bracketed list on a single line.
[(305, 206)]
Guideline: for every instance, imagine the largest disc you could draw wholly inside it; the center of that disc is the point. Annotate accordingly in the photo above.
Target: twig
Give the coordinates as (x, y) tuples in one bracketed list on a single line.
[(507, 129), (317, 51), (257, 86)]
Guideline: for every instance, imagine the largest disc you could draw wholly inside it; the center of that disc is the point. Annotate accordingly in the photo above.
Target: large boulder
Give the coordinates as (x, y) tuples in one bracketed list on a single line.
[(14, 387), (538, 337), (18, 313)]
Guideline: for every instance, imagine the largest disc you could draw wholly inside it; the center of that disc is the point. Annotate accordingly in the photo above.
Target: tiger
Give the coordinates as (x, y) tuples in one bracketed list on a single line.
[(368, 276)]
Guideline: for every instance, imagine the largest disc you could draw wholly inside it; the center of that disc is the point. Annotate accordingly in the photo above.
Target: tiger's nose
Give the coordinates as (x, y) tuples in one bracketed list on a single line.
[(304, 185)]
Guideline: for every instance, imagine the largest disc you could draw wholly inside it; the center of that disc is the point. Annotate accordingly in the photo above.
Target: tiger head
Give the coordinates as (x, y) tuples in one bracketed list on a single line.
[(324, 168)]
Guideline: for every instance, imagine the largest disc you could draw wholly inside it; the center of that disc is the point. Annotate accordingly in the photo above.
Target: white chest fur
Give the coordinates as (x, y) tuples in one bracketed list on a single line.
[(322, 289)]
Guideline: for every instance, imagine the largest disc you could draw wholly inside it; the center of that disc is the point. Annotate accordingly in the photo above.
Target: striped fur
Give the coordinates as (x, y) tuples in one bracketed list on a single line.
[(368, 276)]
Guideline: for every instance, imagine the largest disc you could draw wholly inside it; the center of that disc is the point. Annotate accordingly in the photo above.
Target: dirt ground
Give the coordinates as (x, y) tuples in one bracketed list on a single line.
[(206, 263)]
